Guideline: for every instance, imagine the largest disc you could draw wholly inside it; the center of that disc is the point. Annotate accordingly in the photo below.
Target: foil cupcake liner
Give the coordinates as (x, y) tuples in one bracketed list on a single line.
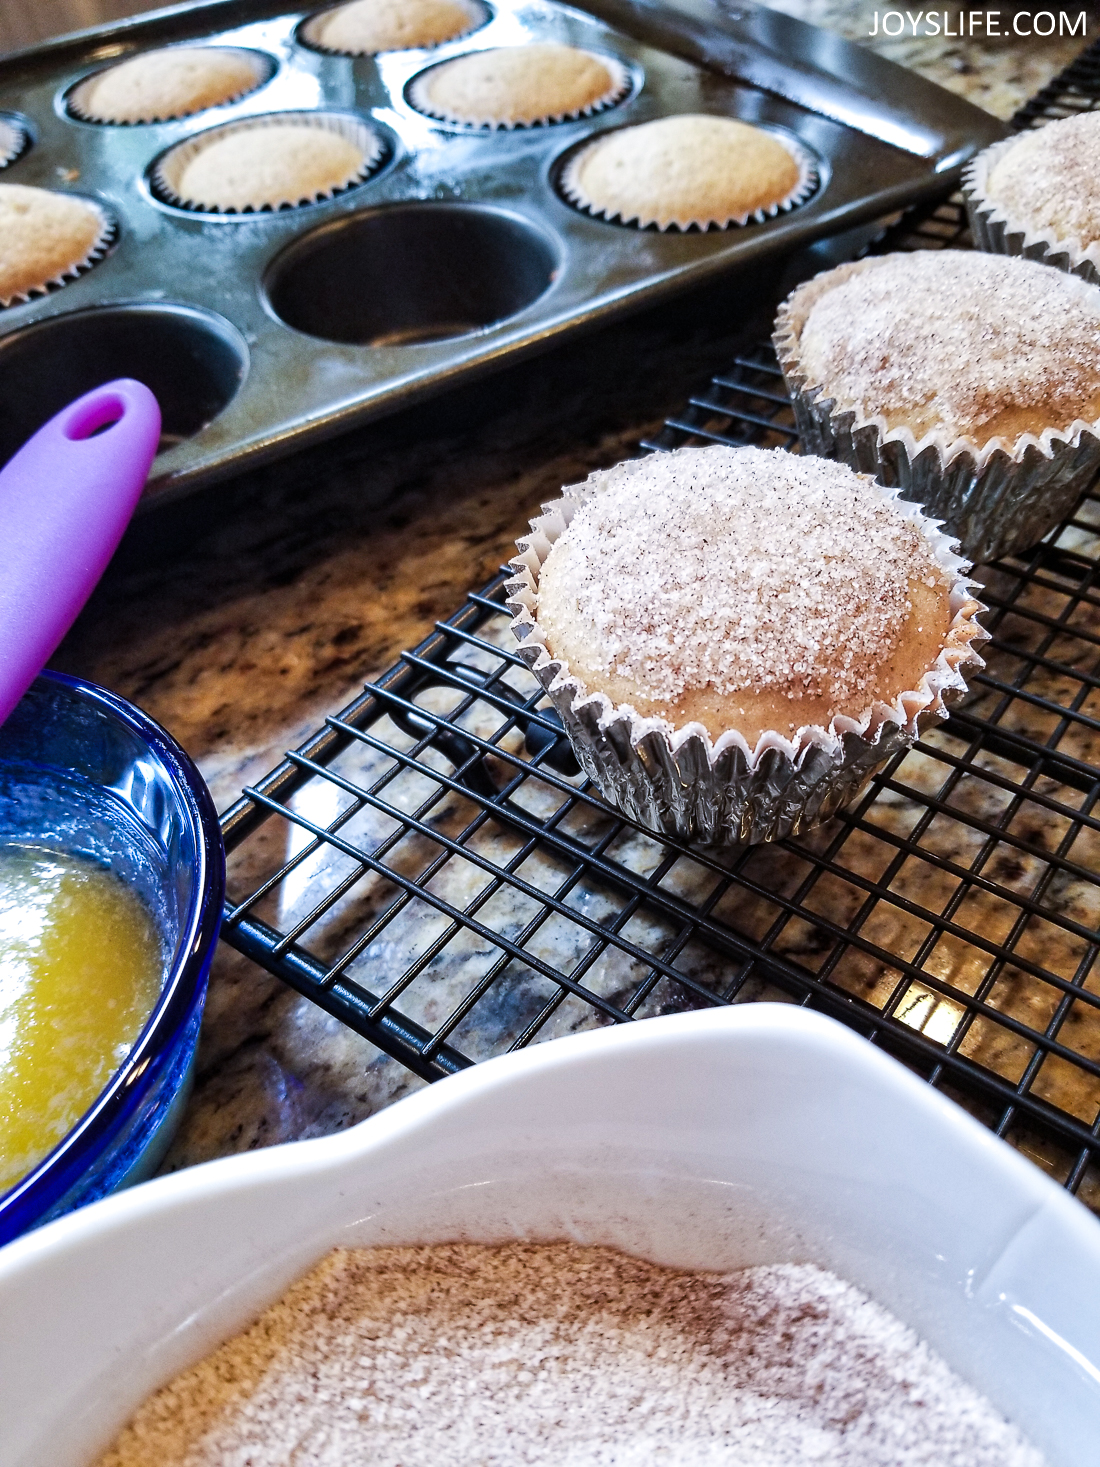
[(15, 139), (168, 170), (679, 782), (808, 180), (621, 86), (264, 67), (108, 233), (995, 499), (480, 15), (997, 233)]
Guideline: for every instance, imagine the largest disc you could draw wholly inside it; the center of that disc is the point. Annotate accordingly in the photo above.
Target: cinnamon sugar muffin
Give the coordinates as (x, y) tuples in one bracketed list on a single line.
[(365, 27), (736, 638), (970, 381), (46, 238), (1039, 194), (688, 170), (519, 86), (175, 82)]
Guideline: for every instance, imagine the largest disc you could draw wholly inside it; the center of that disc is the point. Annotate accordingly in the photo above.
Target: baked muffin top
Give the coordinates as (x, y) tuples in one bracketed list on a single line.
[(263, 166), (174, 82), (960, 343), (742, 589), (367, 26), (43, 236), (690, 169), (1049, 180), (515, 85)]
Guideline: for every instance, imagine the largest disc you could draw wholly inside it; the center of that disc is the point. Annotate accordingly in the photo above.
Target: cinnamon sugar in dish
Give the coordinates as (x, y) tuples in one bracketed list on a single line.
[(735, 638), (970, 381), (554, 1353)]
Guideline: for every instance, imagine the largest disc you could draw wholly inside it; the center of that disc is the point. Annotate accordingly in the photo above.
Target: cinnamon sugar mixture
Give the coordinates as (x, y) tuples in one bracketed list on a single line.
[(559, 1354), (1051, 179), (738, 569), (956, 338)]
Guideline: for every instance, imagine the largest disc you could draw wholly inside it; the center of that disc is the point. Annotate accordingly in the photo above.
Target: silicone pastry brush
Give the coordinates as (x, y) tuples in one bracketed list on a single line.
[(65, 499)]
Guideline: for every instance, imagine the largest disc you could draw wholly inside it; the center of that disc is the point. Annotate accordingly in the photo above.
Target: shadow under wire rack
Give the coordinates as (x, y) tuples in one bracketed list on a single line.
[(431, 868)]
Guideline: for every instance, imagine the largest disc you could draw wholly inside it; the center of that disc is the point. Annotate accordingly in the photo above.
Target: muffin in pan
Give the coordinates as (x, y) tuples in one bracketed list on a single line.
[(689, 171), (279, 161), (520, 86), (1038, 195), (366, 27), (970, 381), (177, 81), (47, 239), (15, 139), (735, 639)]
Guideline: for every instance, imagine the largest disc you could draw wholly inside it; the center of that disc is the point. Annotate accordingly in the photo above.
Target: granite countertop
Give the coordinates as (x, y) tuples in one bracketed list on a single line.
[(240, 617)]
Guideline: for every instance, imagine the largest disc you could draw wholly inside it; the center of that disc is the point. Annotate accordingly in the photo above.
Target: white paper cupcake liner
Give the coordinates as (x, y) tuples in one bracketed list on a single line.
[(994, 498), (808, 179), (14, 140), (677, 781), (169, 168), (263, 66), (106, 238), (621, 87), (307, 34), (997, 233)]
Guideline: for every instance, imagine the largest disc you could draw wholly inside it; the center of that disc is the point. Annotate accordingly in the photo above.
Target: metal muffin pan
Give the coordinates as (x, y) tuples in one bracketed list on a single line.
[(259, 331)]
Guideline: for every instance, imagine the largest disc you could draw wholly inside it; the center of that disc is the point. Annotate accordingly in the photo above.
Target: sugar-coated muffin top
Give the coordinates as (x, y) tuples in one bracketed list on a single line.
[(690, 169), (516, 85), (742, 588), (1050, 180), (43, 236), (365, 27), (964, 344), (174, 82)]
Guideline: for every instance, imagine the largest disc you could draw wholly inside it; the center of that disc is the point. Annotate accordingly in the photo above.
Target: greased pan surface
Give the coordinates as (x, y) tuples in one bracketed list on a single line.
[(261, 330)]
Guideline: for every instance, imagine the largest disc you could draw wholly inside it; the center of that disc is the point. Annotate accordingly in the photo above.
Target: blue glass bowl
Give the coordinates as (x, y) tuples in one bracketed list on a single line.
[(84, 771)]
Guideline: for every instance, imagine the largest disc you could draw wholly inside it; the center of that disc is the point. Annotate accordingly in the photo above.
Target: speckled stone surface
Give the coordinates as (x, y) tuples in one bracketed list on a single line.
[(244, 616)]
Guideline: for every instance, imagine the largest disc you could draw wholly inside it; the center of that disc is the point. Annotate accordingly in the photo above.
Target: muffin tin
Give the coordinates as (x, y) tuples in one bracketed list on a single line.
[(262, 329)]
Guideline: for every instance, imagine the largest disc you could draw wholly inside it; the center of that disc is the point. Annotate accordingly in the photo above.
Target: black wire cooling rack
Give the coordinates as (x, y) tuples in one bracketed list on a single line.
[(431, 869)]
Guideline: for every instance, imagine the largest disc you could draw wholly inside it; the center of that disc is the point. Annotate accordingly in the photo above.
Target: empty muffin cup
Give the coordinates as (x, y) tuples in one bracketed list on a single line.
[(191, 360), (366, 27), (283, 160), (409, 273), (176, 81), (520, 86)]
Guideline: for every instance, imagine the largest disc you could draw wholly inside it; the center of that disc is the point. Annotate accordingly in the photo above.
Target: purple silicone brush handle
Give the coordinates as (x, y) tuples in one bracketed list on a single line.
[(65, 499)]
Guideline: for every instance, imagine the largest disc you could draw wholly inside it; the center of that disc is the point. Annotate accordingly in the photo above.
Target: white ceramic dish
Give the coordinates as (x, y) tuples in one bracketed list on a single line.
[(737, 1136)]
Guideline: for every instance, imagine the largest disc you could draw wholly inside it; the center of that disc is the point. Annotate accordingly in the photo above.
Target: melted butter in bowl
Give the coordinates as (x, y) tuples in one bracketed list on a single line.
[(81, 966)]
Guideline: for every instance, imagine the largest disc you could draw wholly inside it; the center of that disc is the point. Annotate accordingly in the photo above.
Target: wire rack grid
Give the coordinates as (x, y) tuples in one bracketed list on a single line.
[(431, 868)]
